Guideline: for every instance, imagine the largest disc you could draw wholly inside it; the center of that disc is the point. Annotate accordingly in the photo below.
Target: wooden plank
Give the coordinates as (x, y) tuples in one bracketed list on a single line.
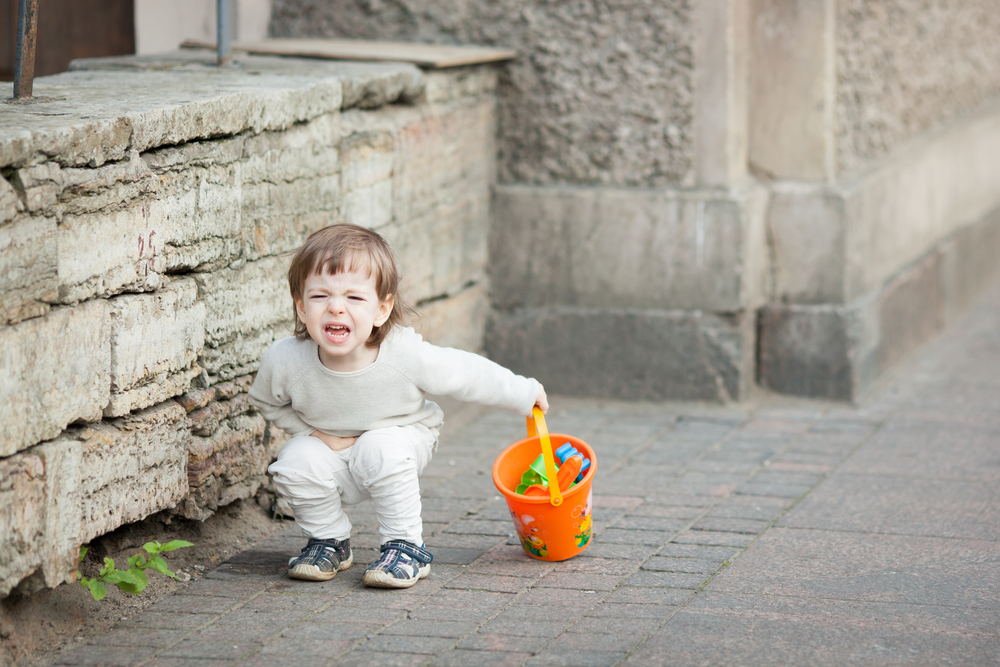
[(425, 55)]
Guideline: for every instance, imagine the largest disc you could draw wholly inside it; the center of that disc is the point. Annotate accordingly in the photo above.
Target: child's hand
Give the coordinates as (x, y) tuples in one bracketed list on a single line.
[(332, 441), (542, 401)]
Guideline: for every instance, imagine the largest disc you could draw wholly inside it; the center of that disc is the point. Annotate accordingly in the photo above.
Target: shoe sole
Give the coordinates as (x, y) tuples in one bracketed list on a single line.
[(313, 573), (379, 579)]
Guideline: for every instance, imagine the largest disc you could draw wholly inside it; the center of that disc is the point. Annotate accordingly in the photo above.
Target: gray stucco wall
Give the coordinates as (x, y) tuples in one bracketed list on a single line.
[(904, 65), (601, 92)]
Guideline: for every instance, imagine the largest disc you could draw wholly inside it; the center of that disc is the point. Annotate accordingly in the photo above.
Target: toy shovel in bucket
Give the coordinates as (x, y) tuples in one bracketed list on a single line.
[(557, 525)]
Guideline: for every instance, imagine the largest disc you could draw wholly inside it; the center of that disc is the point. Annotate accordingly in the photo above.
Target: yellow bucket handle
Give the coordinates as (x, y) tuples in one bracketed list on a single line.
[(536, 426)]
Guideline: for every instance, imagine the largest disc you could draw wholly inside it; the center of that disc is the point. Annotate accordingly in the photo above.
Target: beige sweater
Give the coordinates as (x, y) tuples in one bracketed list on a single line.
[(296, 392)]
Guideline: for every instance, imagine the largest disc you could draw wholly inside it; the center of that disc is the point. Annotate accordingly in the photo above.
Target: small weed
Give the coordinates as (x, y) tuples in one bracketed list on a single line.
[(133, 580)]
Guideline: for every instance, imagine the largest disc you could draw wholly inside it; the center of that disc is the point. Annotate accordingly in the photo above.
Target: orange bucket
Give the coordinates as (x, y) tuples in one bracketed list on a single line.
[(551, 528)]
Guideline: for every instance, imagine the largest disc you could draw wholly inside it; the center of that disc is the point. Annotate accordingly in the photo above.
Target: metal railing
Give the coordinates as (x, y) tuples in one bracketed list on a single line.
[(27, 31)]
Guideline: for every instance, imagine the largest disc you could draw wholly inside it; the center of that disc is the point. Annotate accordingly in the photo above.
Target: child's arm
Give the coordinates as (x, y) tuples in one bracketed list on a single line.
[(471, 377), (270, 395)]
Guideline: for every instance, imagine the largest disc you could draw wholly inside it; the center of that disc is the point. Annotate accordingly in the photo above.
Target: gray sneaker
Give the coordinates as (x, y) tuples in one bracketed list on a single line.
[(321, 560), (401, 565)]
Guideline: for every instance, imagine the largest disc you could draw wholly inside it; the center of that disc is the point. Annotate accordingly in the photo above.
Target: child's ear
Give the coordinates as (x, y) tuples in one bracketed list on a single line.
[(384, 311), (300, 309)]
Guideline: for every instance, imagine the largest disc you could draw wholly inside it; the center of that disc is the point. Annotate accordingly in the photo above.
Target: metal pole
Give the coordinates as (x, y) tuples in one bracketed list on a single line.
[(24, 59), (224, 24)]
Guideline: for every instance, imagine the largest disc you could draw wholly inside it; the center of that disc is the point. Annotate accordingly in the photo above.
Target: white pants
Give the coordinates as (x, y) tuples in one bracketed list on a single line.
[(382, 465)]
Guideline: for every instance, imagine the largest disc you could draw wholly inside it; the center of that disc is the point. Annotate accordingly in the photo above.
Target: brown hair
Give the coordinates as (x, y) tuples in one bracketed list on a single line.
[(346, 247)]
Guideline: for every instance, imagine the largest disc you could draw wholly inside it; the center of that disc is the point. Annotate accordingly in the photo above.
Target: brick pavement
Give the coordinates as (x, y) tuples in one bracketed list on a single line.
[(780, 531)]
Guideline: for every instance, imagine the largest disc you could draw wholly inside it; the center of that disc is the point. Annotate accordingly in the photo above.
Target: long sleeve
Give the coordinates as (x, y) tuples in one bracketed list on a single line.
[(469, 377), (272, 397)]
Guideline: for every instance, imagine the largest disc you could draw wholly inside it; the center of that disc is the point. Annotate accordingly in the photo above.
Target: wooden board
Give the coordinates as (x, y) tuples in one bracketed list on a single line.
[(425, 55)]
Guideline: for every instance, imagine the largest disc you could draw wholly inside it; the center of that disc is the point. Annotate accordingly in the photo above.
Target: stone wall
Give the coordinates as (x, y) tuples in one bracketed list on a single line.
[(601, 92), (904, 66), (148, 208)]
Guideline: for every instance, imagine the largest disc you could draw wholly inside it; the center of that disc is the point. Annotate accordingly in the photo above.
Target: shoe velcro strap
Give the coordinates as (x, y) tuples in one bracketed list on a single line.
[(409, 549)]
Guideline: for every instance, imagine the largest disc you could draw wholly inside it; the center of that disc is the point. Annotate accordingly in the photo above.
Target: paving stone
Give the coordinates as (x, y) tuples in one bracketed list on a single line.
[(876, 504), (577, 658), (429, 628), (666, 580), (646, 537), (313, 629), (599, 625), (649, 596), (629, 610), (188, 604), (523, 627), (607, 566), (714, 538), (650, 523), (188, 662), (772, 630), (689, 565), (223, 589), (407, 644), (353, 614), (276, 619), (238, 633), (272, 602), (617, 551), (500, 643), (572, 642), (719, 554), (486, 582), (360, 658), (503, 528), (579, 580), (464, 658), (868, 568), (150, 620), (193, 648), (129, 637), (456, 556), (746, 526), (666, 511)]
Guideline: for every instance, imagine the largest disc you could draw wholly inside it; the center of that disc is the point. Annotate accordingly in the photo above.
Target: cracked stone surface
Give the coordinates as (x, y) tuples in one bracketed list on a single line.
[(778, 531)]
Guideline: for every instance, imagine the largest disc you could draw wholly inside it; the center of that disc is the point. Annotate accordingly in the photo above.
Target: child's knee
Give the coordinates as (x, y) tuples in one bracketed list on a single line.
[(305, 467), (383, 453)]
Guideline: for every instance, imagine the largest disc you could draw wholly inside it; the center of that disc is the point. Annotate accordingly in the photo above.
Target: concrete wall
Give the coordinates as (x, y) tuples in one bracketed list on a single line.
[(904, 66), (601, 92), (146, 221)]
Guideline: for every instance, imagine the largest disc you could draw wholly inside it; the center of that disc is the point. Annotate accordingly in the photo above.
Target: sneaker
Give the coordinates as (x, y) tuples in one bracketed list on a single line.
[(321, 560), (401, 565)]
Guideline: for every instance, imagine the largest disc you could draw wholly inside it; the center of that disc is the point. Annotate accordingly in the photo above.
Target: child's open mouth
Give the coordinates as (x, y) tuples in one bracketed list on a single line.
[(337, 331)]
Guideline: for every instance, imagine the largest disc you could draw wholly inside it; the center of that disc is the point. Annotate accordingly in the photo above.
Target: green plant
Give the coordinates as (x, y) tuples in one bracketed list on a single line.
[(133, 580)]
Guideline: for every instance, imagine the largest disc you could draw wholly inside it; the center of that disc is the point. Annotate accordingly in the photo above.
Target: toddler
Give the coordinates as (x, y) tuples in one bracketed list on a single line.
[(349, 388)]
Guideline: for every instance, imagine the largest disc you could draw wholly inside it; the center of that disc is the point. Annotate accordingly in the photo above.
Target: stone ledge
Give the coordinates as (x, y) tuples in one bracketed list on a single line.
[(837, 351), (105, 107), (628, 248)]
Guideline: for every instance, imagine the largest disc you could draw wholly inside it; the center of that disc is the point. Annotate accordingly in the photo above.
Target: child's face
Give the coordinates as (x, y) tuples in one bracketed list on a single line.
[(339, 312)]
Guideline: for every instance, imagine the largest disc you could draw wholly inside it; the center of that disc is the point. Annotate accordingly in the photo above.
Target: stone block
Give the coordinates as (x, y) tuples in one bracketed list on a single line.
[(242, 354), (132, 467), (968, 264), (614, 248), (245, 301), (10, 202), (54, 370), (39, 512), (910, 311), (808, 239), (227, 466), (627, 354), (28, 268), (155, 342), (439, 319), (129, 258)]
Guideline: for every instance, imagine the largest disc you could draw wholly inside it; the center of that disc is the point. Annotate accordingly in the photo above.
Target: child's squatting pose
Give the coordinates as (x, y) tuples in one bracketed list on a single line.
[(349, 388)]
